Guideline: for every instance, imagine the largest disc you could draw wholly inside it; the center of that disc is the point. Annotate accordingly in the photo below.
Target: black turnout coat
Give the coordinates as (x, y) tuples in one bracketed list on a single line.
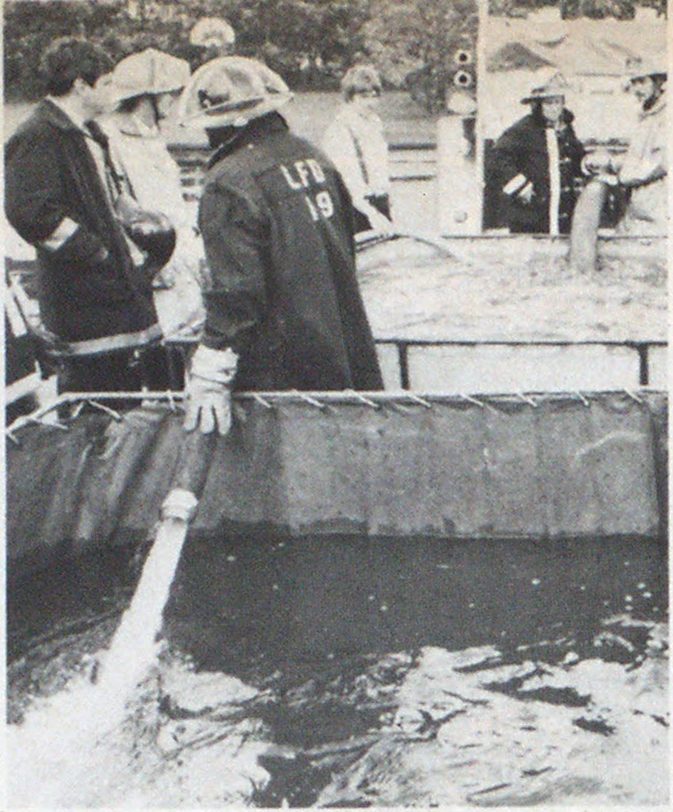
[(522, 150), (277, 225), (50, 174)]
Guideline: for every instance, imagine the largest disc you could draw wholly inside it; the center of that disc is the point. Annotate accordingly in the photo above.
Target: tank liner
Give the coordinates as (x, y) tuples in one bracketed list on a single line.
[(540, 466)]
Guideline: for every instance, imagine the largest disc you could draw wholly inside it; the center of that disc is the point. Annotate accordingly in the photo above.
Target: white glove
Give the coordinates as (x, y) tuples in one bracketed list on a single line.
[(208, 390), (526, 194)]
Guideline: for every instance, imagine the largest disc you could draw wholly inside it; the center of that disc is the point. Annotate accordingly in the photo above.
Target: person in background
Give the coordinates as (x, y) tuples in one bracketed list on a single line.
[(283, 309), (643, 169), (94, 294), (355, 144), (536, 163), (214, 36), (144, 87)]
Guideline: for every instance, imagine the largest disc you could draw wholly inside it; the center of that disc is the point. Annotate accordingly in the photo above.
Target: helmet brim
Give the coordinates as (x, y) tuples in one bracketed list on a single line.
[(236, 114)]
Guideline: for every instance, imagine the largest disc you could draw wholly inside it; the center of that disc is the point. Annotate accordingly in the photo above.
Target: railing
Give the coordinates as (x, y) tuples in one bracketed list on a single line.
[(635, 363)]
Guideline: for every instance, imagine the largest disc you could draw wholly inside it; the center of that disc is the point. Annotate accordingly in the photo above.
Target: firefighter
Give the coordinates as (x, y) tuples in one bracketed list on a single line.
[(642, 172), (537, 161), (283, 309)]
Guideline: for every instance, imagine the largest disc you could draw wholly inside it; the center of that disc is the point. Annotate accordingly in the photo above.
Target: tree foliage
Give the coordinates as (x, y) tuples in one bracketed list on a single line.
[(426, 46), (574, 9), (310, 42)]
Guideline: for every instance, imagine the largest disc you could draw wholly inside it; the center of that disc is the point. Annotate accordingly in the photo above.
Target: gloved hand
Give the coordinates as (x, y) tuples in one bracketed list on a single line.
[(208, 390), (599, 162), (526, 194)]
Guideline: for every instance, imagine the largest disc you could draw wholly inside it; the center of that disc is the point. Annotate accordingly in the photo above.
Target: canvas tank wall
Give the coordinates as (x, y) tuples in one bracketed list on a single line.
[(513, 467)]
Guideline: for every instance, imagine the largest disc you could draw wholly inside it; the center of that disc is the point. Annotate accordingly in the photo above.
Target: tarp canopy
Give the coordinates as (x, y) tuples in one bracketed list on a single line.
[(550, 466)]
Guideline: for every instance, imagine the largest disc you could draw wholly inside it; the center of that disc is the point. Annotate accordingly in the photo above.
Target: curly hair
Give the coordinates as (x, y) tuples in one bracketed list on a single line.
[(70, 58), (359, 79)]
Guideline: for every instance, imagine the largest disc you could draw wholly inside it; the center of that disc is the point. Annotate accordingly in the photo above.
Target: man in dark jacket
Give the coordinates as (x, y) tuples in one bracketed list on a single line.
[(60, 198), (536, 164), (284, 310)]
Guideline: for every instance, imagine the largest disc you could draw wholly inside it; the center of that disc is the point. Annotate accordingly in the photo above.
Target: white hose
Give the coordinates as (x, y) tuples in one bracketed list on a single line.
[(367, 239)]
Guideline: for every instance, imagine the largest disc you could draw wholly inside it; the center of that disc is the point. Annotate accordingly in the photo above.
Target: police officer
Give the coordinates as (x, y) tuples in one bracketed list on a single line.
[(283, 310)]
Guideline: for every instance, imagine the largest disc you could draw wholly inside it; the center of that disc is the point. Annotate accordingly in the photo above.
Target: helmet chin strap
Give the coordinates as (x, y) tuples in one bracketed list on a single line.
[(155, 109)]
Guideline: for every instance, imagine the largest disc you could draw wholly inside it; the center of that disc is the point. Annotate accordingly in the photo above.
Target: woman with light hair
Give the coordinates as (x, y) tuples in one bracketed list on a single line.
[(144, 87), (355, 144)]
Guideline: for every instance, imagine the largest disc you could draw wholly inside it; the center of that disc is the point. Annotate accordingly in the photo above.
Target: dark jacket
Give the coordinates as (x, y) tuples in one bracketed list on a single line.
[(522, 150), (50, 174), (277, 226)]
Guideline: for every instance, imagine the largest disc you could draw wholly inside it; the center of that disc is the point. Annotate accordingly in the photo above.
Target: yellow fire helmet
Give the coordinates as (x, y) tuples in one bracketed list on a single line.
[(148, 72), (230, 91)]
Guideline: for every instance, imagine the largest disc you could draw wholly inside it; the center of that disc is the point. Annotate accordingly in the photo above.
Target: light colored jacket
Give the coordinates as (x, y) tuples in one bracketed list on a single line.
[(355, 144), (154, 179), (644, 170)]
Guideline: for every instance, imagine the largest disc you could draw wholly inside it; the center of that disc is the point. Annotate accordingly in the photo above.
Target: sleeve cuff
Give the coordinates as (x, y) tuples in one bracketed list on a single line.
[(515, 185), (60, 235)]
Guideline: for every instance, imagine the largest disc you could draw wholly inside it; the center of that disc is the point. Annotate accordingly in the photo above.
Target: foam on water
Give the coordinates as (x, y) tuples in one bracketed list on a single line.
[(470, 728)]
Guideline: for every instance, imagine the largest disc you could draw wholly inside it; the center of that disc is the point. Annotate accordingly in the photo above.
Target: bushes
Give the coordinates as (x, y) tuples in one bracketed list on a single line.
[(309, 42)]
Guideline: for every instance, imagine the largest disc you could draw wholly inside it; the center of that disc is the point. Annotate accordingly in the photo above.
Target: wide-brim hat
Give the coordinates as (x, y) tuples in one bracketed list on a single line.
[(550, 88), (230, 90), (640, 68), (149, 72)]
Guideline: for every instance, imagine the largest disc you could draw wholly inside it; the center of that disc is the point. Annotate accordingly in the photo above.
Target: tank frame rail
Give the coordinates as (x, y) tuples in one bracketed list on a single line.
[(403, 345), (398, 401)]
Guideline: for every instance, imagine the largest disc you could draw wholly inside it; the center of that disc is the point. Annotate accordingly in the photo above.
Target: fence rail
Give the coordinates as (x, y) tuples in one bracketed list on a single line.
[(629, 363)]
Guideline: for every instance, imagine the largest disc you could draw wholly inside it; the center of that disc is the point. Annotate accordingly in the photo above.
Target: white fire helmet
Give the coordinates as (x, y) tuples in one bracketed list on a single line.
[(230, 91), (148, 72)]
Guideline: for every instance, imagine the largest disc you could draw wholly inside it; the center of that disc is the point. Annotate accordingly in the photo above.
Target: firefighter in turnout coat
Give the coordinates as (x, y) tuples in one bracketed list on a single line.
[(93, 298), (536, 163), (283, 310)]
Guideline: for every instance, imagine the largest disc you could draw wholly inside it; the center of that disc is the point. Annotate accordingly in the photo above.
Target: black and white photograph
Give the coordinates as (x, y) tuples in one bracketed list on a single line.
[(336, 399)]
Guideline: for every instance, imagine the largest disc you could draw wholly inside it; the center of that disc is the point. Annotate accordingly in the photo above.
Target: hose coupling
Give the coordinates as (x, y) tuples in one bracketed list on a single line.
[(179, 504)]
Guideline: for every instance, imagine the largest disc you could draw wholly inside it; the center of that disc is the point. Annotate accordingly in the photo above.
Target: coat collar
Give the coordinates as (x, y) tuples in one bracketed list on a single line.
[(132, 125), (253, 131), (657, 107), (56, 116), (357, 115)]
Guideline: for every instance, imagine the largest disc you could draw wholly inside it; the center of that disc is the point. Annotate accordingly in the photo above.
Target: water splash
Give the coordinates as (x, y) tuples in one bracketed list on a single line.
[(83, 717)]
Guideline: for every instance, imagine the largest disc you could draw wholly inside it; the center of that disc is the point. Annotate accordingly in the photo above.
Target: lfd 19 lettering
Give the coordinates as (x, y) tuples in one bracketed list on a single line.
[(304, 175)]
